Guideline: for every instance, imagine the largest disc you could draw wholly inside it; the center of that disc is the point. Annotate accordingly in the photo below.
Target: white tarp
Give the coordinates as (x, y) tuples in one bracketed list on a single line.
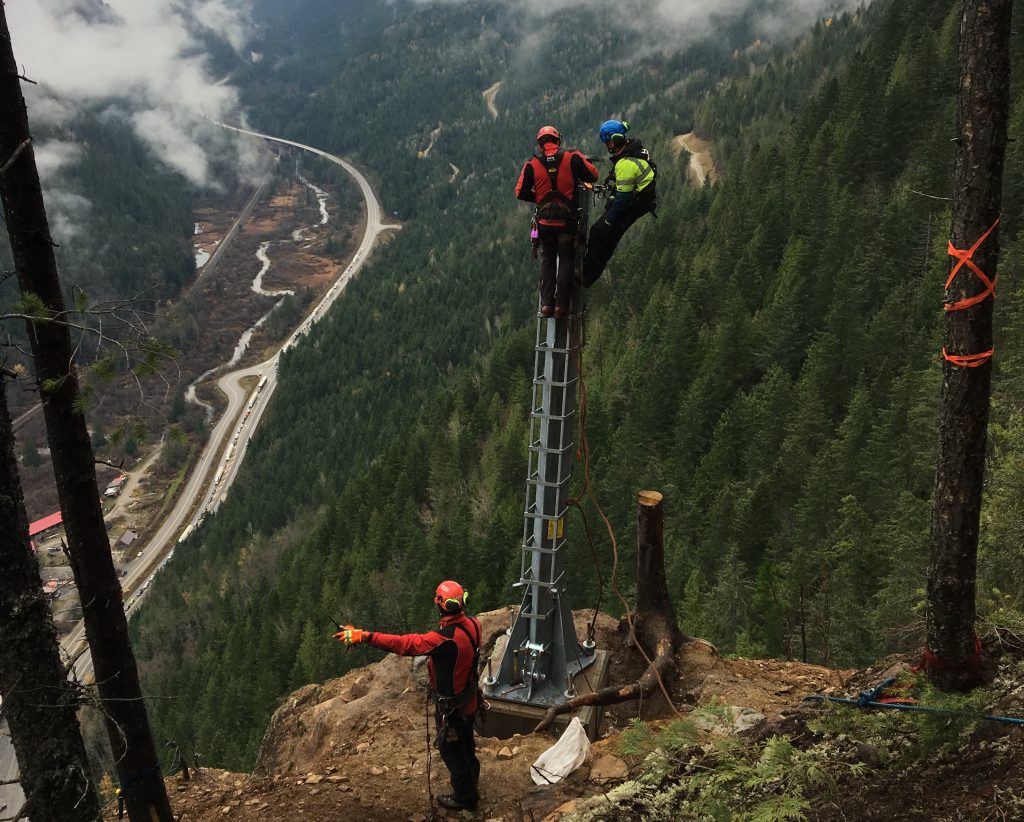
[(562, 758)]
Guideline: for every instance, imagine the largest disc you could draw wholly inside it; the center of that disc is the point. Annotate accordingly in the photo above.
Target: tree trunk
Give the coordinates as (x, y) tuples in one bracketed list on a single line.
[(653, 603), (654, 621), (39, 702), (982, 111), (73, 462)]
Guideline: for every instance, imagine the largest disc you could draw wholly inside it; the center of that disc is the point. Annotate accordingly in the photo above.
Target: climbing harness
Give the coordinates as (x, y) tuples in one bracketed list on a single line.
[(556, 206), (449, 706)]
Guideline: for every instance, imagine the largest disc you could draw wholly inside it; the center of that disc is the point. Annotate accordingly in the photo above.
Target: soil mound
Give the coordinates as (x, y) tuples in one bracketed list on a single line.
[(356, 747)]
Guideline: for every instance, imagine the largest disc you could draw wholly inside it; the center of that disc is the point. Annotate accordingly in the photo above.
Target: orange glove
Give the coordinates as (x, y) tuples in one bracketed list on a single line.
[(352, 636)]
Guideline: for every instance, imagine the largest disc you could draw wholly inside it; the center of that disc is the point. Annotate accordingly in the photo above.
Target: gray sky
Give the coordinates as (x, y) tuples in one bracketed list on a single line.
[(143, 61), (142, 55)]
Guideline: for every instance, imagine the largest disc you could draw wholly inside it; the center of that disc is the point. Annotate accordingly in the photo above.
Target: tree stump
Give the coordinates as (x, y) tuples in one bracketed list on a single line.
[(653, 624)]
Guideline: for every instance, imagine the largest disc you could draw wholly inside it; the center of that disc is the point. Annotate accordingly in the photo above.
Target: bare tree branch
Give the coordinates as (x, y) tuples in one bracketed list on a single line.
[(10, 160)]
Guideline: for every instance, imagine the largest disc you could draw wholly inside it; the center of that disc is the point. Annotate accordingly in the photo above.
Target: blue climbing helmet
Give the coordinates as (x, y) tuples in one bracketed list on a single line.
[(613, 130)]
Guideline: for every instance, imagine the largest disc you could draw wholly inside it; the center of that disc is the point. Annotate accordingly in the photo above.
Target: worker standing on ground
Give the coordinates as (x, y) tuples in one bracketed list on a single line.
[(632, 185), (453, 652), (549, 179)]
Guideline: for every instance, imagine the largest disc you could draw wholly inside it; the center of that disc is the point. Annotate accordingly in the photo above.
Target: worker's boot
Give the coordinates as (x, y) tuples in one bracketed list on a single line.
[(448, 801)]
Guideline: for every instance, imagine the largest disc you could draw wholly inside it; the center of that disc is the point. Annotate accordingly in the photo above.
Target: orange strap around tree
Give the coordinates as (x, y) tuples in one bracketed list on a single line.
[(969, 360), (930, 660), (966, 258)]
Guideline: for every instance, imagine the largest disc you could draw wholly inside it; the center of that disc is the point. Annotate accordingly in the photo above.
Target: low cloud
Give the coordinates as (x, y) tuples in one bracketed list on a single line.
[(67, 213), (773, 19), (689, 20), (143, 60), (53, 155)]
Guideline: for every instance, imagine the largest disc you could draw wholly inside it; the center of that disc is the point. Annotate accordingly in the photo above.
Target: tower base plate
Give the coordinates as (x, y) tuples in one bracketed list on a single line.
[(506, 718)]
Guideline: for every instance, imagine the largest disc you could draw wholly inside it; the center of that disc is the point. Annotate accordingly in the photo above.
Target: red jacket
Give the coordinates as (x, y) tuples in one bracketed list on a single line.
[(534, 184), (451, 651)]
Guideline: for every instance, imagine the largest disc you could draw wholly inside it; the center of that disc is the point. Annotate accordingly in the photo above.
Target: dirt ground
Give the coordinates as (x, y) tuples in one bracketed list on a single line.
[(355, 747)]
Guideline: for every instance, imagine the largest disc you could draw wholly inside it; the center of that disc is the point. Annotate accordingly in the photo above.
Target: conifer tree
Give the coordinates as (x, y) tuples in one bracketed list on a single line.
[(982, 114), (71, 450), (39, 701)]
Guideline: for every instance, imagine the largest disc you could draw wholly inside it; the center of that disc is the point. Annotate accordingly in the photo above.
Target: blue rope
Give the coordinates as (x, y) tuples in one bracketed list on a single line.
[(867, 699)]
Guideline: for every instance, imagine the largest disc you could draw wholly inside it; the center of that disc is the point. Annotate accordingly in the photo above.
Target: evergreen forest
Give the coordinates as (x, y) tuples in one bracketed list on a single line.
[(765, 352)]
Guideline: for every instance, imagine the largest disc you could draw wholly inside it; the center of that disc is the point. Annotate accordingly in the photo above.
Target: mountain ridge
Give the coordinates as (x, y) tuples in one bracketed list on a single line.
[(764, 352)]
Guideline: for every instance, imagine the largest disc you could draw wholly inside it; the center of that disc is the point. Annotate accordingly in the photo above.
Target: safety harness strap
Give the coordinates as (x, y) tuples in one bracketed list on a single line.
[(449, 704)]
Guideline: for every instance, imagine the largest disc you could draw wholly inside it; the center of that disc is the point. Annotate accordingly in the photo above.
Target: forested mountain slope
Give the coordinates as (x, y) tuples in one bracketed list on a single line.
[(764, 352)]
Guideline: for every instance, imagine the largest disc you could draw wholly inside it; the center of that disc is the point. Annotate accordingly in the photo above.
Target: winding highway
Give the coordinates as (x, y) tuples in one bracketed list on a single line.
[(236, 426)]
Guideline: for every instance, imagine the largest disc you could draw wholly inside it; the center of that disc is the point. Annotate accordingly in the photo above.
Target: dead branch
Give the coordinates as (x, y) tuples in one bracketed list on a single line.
[(24, 78), (661, 648), (11, 160), (929, 196)]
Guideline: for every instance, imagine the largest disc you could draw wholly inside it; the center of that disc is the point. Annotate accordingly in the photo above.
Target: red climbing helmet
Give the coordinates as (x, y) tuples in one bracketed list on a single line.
[(450, 597), (549, 133)]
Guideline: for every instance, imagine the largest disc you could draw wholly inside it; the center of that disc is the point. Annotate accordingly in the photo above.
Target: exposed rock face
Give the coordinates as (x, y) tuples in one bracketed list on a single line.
[(320, 721), (357, 747)]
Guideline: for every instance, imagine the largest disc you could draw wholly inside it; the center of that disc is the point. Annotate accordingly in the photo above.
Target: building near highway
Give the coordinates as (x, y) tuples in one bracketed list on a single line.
[(115, 486), (44, 526)]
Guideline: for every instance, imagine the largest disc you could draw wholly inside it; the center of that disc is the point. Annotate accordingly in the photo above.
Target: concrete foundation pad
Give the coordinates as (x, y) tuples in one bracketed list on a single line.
[(506, 718)]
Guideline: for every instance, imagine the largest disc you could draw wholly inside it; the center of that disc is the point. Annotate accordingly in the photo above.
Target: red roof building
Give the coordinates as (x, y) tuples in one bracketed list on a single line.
[(45, 524)]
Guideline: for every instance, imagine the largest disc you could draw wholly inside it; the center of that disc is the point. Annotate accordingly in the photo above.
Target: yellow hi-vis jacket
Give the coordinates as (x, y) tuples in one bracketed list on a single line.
[(632, 175)]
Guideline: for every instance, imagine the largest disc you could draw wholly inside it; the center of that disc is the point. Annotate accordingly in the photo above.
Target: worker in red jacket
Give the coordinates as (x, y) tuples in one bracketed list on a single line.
[(453, 652), (549, 179)]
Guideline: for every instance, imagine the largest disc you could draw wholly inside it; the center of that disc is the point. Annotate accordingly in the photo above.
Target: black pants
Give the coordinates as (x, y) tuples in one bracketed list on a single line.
[(458, 751), (604, 238), (557, 259)]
